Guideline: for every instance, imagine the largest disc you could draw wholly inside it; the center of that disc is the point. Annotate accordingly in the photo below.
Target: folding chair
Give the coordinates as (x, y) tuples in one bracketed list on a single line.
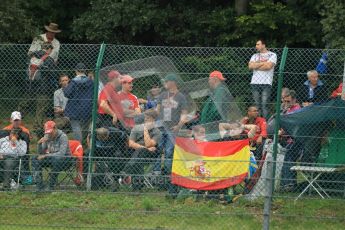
[(110, 157), (77, 153), (18, 168), (17, 184), (147, 177)]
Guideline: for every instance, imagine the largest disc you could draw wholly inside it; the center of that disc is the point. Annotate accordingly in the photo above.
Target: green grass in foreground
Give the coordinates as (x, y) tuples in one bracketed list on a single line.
[(108, 210)]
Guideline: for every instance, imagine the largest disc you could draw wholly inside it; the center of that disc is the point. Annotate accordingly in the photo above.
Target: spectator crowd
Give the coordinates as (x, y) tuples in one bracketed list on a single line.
[(135, 137)]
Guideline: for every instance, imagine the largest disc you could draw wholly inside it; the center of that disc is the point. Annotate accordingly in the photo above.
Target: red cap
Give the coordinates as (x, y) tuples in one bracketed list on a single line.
[(49, 127), (113, 74), (126, 78), (217, 74)]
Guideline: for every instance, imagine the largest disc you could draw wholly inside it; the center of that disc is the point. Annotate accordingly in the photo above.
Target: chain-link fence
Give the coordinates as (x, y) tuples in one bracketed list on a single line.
[(111, 136)]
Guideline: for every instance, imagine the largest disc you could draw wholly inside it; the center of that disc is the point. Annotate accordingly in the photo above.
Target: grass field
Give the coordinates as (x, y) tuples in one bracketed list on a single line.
[(99, 210), (96, 210)]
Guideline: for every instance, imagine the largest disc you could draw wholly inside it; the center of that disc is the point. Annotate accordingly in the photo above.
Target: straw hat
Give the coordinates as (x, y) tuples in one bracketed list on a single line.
[(53, 27)]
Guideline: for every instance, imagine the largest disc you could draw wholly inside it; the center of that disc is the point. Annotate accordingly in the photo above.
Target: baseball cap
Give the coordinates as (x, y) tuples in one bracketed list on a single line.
[(16, 116), (171, 77), (126, 78), (217, 74), (80, 67), (49, 127), (113, 74)]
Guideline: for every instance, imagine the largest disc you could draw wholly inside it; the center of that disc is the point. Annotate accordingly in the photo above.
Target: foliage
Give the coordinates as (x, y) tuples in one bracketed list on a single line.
[(280, 24), (114, 21), (333, 23), (15, 24), (296, 23), (61, 12)]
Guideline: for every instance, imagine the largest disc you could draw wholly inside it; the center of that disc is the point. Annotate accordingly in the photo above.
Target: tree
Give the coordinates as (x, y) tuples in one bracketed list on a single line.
[(295, 23), (61, 12), (333, 23), (241, 6), (15, 24), (116, 21)]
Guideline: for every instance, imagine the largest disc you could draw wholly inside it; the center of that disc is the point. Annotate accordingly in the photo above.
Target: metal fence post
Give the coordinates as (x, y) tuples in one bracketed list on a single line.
[(271, 163), (94, 115), (343, 89)]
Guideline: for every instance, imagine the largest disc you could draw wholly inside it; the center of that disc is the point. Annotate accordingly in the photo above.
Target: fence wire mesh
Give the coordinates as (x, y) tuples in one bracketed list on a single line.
[(179, 138)]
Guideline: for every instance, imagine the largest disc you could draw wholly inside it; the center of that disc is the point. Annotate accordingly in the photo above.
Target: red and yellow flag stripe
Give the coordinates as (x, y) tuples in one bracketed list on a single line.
[(210, 165)]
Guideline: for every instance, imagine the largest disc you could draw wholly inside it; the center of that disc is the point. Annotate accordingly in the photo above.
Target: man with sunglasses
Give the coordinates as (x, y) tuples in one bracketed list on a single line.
[(293, 147), (129, 101), (290, 104)]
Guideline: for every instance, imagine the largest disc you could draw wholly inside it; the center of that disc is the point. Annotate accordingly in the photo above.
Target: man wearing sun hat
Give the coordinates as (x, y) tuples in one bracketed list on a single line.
[(51, 30), (220, 102), (53, 151)]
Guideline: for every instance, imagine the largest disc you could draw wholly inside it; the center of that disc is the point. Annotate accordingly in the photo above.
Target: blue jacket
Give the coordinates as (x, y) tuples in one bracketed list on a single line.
[(319, 94), (80, 95)]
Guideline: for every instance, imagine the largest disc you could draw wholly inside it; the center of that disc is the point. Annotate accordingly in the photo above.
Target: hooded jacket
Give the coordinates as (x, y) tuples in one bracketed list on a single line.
[(57, 147), (80, 95)]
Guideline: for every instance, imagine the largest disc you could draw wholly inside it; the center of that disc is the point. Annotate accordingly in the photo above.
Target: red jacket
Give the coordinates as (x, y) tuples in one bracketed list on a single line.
[(337, 90), (260, 122)]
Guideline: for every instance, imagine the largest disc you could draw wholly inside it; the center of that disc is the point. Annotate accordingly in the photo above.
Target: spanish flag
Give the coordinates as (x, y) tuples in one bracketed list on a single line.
[(210, 165)]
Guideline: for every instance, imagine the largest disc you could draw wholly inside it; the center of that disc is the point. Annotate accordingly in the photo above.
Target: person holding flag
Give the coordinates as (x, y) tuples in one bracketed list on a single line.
[(214, 167)]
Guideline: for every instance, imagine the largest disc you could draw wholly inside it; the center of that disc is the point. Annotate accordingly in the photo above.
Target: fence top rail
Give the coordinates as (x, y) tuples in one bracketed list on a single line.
[(175, 47)]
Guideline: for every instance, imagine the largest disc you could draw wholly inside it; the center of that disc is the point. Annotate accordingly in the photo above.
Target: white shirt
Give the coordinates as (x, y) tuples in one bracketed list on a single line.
[(36, 45), (59, 99), (14, 149), (262, 77)]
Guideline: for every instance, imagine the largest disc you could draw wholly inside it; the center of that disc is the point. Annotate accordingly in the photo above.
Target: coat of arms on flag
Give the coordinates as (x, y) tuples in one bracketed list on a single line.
[(210, 165)]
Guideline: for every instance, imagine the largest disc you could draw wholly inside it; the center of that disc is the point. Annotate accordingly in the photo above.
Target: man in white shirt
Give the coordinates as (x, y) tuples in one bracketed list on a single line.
[(11, 148), (60, 100), (49, 36), (262, 64)]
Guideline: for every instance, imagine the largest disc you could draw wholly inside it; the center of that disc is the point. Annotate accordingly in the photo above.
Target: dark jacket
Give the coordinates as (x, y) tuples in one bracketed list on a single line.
[(320, 94), (80, 95), (219, 106)]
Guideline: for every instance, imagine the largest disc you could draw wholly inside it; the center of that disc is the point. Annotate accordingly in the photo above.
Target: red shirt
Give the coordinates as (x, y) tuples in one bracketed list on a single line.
[(261, 124), (131, 102), (102, 97), (336, 91), (110, 95), (293, 108)]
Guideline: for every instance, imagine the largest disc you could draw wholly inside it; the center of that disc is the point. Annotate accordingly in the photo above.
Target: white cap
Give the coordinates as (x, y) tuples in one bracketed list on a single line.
[(16, 116)]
